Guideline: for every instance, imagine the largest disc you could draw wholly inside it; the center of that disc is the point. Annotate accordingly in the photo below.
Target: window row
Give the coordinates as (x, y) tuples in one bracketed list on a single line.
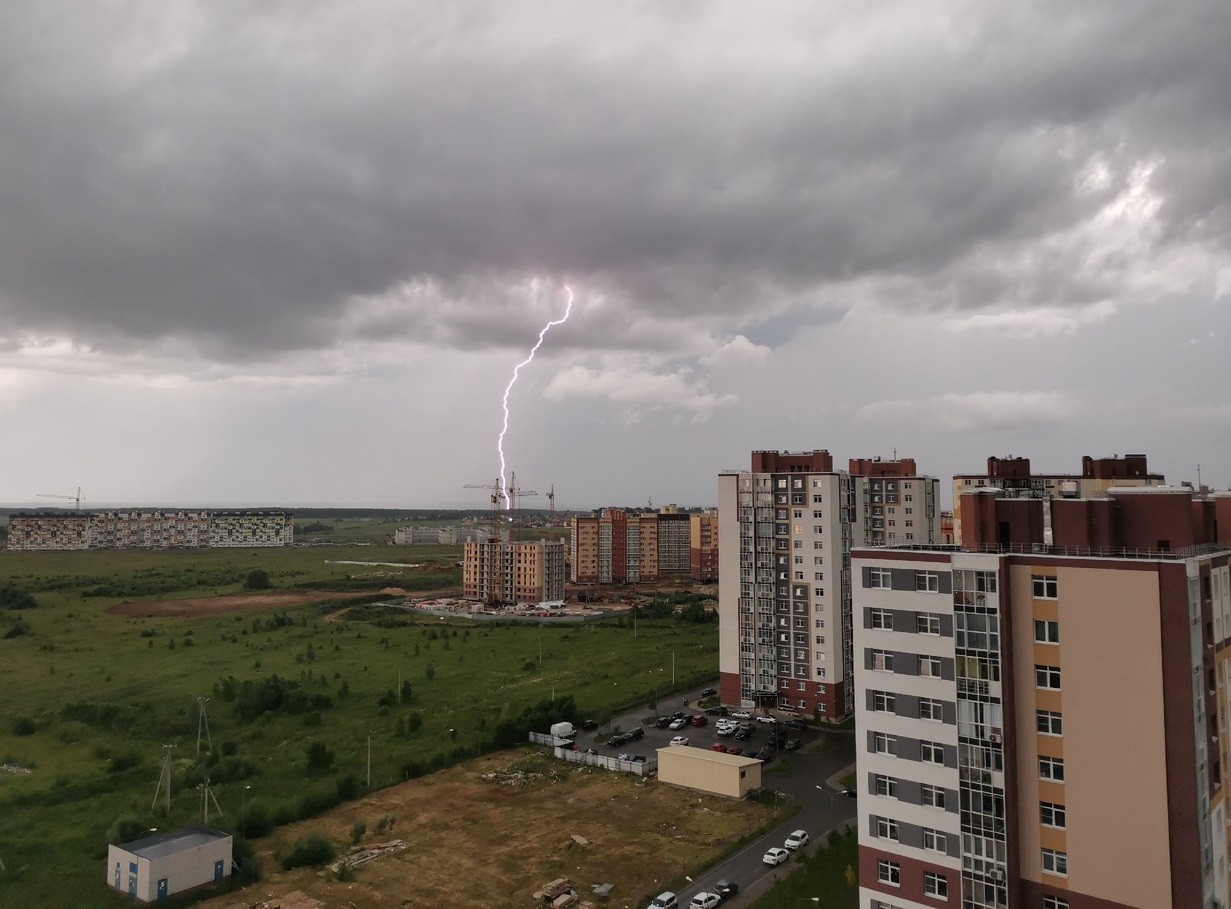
[(889, 872), (925, 622)]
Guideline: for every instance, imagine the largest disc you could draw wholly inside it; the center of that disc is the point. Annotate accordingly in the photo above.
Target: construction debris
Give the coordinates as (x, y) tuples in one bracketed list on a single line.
[(580, 840), (361, 855)]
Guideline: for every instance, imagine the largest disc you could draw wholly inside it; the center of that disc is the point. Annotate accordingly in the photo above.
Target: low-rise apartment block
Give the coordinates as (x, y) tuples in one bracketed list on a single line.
[(1044, 724), (514, 573), (152, 529)]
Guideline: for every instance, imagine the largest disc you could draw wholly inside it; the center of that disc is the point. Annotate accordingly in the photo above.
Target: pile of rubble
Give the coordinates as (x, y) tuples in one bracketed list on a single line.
[(361, 855), (560, 894)]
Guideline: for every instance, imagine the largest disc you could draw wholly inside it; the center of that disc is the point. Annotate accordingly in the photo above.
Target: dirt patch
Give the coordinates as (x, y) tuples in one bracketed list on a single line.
[(257, 602), (494, 830)]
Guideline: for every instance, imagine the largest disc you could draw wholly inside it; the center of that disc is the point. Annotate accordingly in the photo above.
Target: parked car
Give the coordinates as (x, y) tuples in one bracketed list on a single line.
[(742, 734), (716, 711), (850, 793), (663, 722), (725, 730), (775, 856), (589, 725), (664, 900), (700, 719), (719, 746), (635, 735), (765, 754), (708, 692), (791, 744), (766, 718), (678, 723), (726, 888), (616, 741), (795, 724), (704, 900), (796, 840), (680, 740), (679, 714), (741, 715)]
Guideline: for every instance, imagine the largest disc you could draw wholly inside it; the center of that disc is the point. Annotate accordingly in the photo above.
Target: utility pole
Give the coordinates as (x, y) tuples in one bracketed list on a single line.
[(369, 759), (206, 797), (164, 778), (203, 723), (672, 665)]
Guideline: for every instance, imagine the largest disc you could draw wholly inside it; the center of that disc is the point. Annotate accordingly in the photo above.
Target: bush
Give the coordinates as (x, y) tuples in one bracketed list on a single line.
[(125, 760), (125, 830), (357, 830), (23, 726), (256, 580), (319, 757), (14, 597), (314, 849)]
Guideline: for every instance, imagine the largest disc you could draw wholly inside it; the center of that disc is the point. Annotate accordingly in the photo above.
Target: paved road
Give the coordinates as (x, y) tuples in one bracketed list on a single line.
[(823, 808)]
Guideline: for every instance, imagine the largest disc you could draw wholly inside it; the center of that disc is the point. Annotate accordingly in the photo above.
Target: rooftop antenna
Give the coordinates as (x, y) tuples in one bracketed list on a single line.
[(164, 778), (76, 500), (207, 796), (203, 723)]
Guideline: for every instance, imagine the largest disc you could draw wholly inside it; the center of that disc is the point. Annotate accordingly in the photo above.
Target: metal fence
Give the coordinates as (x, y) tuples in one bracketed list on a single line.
[(563, 750)]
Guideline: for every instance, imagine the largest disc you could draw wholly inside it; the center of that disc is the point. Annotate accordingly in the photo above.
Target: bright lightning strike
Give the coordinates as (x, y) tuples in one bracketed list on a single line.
[(504, 489)]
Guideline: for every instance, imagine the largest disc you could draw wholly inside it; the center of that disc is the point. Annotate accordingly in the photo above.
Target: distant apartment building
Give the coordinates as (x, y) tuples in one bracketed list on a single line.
[(618, 546), (703, 546), (1045, 725), (430, 536), (514, 573), (152, 529), (786, 528), (1012, 473)]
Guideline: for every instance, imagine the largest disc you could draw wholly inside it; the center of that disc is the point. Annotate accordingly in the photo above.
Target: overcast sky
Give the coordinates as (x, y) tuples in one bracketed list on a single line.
[(288, 253)]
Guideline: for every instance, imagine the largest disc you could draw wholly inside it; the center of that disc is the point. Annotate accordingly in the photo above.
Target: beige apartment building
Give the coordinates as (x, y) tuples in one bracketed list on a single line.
[(150, 529), (618, 546), (514, 573), (786, 528), (1044, 725)]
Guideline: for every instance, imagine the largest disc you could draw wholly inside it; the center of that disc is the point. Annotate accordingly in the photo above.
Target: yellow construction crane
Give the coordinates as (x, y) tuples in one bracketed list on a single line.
[(76, 500)]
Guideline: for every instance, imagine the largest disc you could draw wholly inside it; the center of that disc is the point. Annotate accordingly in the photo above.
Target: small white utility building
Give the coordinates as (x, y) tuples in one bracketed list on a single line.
[(164, 864)]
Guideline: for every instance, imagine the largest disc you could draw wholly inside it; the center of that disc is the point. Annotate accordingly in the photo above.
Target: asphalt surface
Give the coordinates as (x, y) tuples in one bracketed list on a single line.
[(795, 773)]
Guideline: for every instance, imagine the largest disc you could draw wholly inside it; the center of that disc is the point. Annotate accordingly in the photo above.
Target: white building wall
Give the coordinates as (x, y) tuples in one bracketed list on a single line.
[(728, 574)]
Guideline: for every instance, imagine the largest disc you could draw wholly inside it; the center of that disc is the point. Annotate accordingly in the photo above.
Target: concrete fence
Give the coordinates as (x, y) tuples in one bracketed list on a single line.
[(563, 750)]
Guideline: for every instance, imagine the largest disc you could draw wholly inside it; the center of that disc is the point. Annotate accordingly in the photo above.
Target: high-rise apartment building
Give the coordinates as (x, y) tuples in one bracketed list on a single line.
[(1044, 724), (1096, 477), (513, 573), (618, 546), (786, 528), (703, 546)]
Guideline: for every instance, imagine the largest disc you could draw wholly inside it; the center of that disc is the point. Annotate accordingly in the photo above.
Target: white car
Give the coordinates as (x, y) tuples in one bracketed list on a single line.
[(705, 900), (664, 900), (741, 715), (766, 719), (796, 840), (680, 740), (775, 856), (678, 724)]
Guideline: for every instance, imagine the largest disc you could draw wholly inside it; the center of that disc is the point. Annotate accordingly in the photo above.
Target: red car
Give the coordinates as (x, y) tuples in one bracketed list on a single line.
[(718, 746), (700, 719)]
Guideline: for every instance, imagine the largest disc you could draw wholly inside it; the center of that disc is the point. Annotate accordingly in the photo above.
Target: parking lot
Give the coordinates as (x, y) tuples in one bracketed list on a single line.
[(800, 773)]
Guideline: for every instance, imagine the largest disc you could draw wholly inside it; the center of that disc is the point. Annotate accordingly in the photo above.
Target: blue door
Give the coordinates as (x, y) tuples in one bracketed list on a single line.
[(218, 871), (132, 886), (162, 888)]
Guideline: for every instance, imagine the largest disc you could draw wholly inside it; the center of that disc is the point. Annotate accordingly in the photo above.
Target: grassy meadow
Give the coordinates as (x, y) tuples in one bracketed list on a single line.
[(88, 699)]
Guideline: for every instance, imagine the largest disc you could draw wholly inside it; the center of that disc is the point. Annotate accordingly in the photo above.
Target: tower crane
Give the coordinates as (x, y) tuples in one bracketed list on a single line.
[(551, 498), (76, 500), (498, 497)]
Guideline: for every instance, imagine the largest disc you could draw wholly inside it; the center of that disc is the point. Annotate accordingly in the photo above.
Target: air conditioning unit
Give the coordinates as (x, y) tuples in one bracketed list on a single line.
[(995, 737), (996, 874)]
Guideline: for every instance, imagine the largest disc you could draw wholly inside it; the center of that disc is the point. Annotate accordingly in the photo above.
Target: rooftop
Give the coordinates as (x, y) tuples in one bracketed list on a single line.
[(173, 841), (1080, 552)]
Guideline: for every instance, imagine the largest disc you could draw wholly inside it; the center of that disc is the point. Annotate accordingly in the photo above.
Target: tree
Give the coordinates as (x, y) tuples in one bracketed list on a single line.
[(319, 757), (257, 580)]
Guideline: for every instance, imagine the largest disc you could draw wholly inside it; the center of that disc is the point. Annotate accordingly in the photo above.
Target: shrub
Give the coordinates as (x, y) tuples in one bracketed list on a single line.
[(357, 830), (319, 757), (125, 760), (314, 849), (23, 726), (256, 580), (14, 597)]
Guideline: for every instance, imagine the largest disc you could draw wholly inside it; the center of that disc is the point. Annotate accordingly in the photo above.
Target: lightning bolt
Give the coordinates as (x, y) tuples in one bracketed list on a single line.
[(513, 381)]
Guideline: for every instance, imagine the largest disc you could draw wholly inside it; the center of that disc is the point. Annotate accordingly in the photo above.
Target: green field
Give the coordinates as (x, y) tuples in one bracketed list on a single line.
[(88, 699)]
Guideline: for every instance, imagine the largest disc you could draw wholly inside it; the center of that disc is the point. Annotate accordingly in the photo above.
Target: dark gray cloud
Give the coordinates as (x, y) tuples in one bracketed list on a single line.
[(285, 175)]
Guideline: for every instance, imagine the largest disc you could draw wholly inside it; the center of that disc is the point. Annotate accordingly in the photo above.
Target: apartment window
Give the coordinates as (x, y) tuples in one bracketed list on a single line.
[(799, 512), (934, 840), (1049, 722), (932, 796), (931, 752), (929, 667), (882, 660), (1047, 677), (818, 576), (820, 656), (1055, 902), (927, 580), (816, 513), (936, 885), (1051, 768), (888, 872), (930, 709), (927, 623), (1044, 587), (799, 544), (882, 618), (801, 686), (818, 591), (820, 674), (1046, 632), (799, 575), (883, 701), (1051, 814), (885, 785), (884, 744), (820, 639), (887, 829), (820, 623), (879, 578), (1056, 862), (799, 560)]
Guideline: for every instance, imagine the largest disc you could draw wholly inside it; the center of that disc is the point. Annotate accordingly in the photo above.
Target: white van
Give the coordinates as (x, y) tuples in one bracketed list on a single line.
[(563, 730)]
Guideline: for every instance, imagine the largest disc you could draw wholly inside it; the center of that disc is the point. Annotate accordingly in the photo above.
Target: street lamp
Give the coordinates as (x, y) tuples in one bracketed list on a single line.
[(808, 899)]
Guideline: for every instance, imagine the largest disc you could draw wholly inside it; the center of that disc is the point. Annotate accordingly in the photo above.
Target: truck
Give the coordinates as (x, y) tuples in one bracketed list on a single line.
[(563, 730)]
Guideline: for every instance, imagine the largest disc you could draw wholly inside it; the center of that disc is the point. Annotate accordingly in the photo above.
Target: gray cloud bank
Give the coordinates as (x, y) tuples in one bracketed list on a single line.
[(283, 176)]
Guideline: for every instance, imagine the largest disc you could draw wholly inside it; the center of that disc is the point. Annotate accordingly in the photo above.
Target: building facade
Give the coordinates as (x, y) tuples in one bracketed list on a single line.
[(1096, 477), (154, 529), (1044, 725), (514, 573), (786, 529), (159, 866), (625, 547)]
